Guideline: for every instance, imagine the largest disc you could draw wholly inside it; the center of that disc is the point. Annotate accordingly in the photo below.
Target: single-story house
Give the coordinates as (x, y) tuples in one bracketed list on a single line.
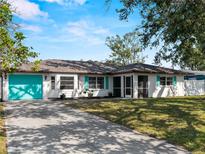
[(75, 79), (194, 83)]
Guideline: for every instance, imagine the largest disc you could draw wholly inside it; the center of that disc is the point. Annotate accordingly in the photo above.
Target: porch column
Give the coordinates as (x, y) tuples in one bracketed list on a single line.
[(5, 86), (135, 85), (122, 86), (46, 85)]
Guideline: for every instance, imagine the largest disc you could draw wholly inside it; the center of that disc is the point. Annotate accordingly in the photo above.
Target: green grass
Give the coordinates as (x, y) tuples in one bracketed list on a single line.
[(180, 121), (2, 132)]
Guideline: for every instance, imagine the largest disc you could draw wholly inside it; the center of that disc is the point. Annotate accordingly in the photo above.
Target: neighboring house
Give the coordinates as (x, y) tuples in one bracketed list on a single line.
[(73, 78), (194, 83)]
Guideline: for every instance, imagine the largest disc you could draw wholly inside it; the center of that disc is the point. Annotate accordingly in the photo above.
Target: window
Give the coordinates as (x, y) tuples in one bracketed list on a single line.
[(66, 82), (166, 81), (169, 81), (92, 82), (162, 81), (100, 82), (53, 82), (96, 82)]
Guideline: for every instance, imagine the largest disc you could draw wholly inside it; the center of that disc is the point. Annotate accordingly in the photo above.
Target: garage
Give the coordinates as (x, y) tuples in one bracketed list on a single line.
[(25, 87)]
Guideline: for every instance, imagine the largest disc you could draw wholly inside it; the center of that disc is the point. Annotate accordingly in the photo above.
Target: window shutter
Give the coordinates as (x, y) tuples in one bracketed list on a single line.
[(86, 82), (106, 82), (158, 80), (174, 81)]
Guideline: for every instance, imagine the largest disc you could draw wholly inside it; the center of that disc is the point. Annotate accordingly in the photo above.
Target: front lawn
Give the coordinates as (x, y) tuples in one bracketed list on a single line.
[(180, 121), (2, 132)]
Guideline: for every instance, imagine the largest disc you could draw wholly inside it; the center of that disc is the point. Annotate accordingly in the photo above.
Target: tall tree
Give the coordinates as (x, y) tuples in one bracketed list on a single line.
[(12, 51), (125, 49), (177, 26)]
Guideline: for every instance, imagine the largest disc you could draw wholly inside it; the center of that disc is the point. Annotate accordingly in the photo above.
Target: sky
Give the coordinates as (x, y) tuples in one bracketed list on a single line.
[(72, 29)]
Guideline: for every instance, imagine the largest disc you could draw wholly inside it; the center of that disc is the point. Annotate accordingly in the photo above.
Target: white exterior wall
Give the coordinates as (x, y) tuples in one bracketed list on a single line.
[(180, 86), (153, 89), (166, 91), (5, 87), (47, 91), (55, 93), (96, 92), (194, 87), (159, 91)]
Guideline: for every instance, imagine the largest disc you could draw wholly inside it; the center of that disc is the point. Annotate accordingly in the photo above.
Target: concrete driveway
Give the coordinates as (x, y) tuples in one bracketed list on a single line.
[(53, 128)]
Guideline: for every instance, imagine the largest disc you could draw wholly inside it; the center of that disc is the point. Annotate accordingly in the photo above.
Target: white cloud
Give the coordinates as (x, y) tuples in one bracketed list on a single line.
[(55, 1), (66, 2), (26, 9), (78, 28), (82, 32), (81, 2), (32, 28), (87, 31), (101, 31)]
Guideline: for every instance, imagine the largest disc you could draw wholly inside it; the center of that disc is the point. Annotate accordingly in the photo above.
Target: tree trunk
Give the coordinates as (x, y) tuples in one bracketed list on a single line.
[(2, 95)]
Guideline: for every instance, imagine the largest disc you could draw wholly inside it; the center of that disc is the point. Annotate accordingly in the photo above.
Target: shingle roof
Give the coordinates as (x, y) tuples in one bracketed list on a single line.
[(95, 67), (146, 68), (69, 66)]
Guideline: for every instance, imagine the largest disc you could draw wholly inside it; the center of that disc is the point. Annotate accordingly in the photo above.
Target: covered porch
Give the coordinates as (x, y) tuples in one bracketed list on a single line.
[(130, 86)]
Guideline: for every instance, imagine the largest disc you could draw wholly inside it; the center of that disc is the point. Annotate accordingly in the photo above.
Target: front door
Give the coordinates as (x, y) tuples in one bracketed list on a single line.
[(117, 86), (142, 86), (128, 86)]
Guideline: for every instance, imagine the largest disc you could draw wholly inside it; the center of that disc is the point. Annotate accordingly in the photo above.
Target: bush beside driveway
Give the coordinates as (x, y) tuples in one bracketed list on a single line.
[(180, 121)]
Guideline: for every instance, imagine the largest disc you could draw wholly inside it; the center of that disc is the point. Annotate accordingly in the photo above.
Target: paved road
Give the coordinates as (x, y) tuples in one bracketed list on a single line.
[(52, 128)]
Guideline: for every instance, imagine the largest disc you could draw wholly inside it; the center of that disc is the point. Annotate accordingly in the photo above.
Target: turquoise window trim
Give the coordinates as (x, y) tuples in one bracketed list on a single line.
[(86, 82), (158, 80), (174, 81), (106, 82)]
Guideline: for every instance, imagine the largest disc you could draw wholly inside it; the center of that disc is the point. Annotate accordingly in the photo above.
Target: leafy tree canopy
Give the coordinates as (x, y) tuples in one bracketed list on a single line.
[(177, 26), (12, 51), (125, 49)]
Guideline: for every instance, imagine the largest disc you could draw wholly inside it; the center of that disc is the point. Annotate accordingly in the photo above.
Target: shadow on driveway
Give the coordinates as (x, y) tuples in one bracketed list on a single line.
[(51, 127)]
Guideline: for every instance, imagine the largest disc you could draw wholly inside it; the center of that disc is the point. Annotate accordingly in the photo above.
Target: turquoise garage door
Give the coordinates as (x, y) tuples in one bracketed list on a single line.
[(25, 87)]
